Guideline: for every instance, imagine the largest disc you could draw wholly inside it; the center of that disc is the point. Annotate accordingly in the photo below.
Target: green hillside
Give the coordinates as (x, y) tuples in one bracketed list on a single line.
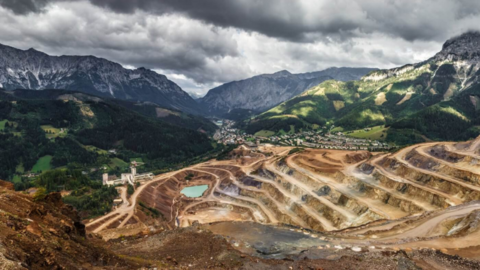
[(430, 100), (151, 110), (42, 130), (171, 116)]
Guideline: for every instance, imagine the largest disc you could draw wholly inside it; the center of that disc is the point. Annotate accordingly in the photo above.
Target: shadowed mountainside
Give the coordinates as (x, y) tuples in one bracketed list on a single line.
[(36, 70)]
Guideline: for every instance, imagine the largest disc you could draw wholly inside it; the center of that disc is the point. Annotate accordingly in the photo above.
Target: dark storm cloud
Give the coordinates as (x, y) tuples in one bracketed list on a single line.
[(276, 18), (298, 20), (23, 6), (303, 20)]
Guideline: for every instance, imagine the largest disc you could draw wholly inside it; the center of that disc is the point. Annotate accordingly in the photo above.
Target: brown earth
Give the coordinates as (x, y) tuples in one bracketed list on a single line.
[(47, 234), (322, 190), (418, 207)]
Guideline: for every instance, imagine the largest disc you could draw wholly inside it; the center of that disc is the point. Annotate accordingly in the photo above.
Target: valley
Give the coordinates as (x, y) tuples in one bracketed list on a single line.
[(241, 134), (322, 137)]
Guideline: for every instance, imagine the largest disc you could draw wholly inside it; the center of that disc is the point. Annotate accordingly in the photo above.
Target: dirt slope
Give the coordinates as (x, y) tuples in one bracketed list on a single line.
[(47, 234)]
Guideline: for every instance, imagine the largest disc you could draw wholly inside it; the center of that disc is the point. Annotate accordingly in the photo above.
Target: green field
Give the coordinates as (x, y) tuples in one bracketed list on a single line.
[(17, 179), (336, 129), (20, 168), (53, 132), (43, 164), (374, 134), (292, 129), (116, 162), (136, 159), (2, 124), (95, 149), (264, 133)]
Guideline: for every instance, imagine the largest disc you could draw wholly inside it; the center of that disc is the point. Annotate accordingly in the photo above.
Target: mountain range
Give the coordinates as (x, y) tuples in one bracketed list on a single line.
[(262, 92), (31, 69), (435, 99), (412, 103)]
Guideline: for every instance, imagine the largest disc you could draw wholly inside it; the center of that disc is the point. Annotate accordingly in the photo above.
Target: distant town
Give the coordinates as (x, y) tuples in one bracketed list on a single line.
[(322, 138)]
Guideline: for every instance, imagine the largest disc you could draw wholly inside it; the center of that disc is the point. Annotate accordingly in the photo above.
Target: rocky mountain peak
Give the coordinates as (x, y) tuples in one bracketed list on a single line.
[(32, 69), (282, 73), (463, 47), (276, 75)]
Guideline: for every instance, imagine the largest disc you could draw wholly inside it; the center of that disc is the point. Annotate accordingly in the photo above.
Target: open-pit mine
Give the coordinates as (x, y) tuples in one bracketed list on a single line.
[(273, 201)]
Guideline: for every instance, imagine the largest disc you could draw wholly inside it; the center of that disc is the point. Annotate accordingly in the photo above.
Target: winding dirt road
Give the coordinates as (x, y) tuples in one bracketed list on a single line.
[(126, 208)]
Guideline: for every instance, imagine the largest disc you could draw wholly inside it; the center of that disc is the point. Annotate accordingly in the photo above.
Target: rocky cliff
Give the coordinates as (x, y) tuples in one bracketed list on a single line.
[(463, 47)]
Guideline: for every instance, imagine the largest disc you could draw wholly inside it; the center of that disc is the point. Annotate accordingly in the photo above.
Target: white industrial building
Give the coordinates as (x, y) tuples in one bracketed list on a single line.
[(130, 178)]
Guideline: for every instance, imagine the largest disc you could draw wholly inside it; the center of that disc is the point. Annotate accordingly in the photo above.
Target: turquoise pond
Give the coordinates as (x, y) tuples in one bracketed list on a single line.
[(195, 191)]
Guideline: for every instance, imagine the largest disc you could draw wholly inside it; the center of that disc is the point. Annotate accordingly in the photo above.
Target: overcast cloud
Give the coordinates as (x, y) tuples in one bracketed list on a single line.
[(200, 44)]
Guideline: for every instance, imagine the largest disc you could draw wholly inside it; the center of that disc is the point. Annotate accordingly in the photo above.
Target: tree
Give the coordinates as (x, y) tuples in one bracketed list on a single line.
[(40, 194), (130, 189)]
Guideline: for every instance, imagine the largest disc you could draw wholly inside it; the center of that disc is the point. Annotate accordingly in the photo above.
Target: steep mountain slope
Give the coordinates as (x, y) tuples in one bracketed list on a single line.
[(172, 116), (265, 91), (32, 69), (149, 109), (437, 98), (63, 128)]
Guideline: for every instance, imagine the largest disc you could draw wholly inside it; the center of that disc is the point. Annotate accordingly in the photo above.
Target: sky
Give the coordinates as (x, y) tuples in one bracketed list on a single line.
[(200, 44)]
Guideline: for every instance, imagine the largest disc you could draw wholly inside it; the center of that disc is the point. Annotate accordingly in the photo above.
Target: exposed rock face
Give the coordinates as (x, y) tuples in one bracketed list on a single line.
[(463, 51), (463, 47), (262, 92), (32, 69)]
